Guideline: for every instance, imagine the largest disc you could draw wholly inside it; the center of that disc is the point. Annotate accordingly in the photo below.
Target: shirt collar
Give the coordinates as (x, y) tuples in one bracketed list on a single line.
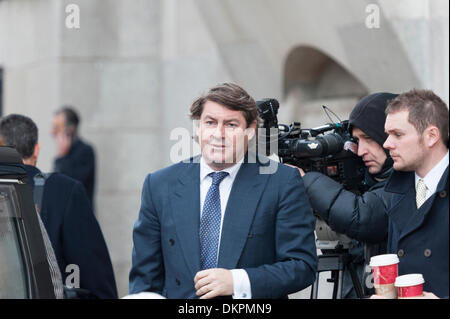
[(433, 177), (31, 172), (205, 169)]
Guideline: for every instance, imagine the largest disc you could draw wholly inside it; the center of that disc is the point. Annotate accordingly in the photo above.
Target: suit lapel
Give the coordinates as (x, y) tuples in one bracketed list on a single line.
[(419, 215), (413, 217), (185, 202), (242, 203)]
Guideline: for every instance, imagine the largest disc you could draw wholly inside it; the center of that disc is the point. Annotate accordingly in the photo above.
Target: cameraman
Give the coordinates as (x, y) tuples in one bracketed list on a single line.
[(361, 217)]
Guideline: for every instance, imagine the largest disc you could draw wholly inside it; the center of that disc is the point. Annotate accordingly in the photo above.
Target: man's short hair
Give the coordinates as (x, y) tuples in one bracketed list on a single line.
[(71, 116), (19, 132), (231, 96), (425, 109)]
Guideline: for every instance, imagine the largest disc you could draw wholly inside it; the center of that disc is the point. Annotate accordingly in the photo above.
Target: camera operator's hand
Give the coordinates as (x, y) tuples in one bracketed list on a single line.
[(302, 173)]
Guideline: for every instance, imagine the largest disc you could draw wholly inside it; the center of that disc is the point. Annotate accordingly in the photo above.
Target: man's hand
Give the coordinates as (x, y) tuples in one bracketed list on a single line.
[(426, 295), (302, 173), (63, 144), (214, 282)]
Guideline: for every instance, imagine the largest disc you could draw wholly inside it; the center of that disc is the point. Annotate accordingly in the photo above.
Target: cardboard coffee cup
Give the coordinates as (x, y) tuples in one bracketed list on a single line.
[(409, 286), (385, 270)]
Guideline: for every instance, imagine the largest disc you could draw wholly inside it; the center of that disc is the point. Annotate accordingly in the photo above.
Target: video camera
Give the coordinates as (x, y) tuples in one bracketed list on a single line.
[(328, 149)]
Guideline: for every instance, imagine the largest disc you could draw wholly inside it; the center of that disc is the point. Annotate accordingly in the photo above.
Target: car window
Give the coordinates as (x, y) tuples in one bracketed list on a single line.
[(13, 279)]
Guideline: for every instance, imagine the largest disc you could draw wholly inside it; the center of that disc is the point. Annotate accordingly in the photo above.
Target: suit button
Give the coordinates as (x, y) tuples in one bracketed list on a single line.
[(172, 242), (442, 194), (427, 252), (401, 253), (177, 282)]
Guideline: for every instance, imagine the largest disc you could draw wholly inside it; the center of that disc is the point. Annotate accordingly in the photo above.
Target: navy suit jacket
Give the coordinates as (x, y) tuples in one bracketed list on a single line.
[(268, 230), (75, 234), (420, 236)]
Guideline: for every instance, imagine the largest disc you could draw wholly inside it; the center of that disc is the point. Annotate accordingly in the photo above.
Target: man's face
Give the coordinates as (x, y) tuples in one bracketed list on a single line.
[(222, 135), (370, 151), (58, 125), (404, 143)]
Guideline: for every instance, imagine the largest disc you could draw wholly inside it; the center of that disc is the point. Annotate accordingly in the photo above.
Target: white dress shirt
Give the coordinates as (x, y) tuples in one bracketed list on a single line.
[(241, 282), (433, 177)]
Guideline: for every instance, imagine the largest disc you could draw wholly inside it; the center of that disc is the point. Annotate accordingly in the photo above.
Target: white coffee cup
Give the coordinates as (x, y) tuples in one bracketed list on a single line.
[(385, 270)]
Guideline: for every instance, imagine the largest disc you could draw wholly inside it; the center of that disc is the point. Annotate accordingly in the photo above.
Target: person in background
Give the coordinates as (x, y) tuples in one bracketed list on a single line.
[(361, 217), (67, 215), (74, 157), (417, 128)]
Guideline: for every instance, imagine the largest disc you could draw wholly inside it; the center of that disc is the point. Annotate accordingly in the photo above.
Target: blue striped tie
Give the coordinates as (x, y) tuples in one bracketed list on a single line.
[(210, 223)]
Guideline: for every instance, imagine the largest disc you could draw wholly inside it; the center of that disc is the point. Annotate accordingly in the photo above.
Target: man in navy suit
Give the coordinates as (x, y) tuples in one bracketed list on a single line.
[(67, 215), (220, 224)]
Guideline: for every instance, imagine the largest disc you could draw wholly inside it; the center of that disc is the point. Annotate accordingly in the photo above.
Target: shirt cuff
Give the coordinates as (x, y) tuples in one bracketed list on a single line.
[(241, 284)]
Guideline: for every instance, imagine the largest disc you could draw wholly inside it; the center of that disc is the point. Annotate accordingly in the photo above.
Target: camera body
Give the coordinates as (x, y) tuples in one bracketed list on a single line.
[(332, 154), (328, 149)]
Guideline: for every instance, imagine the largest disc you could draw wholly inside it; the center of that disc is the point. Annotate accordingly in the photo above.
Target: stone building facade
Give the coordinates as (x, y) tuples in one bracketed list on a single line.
[(132, 68)]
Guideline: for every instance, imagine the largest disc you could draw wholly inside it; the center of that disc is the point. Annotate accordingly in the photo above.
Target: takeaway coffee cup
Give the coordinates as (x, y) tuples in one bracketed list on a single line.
[(385, 270), (409, 286)]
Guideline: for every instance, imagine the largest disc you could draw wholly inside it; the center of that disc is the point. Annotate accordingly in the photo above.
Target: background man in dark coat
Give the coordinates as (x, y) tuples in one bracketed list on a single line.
[(74, 232), (361, 217), (417, 124), (74, 157)]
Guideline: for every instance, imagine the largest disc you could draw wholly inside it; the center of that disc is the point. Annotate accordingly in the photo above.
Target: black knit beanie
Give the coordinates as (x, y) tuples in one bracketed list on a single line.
[(368, 115)]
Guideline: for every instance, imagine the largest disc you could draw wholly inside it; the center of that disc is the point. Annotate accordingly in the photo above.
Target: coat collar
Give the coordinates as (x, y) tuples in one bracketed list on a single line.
[(31, 172), (401, 182), (403, 211)]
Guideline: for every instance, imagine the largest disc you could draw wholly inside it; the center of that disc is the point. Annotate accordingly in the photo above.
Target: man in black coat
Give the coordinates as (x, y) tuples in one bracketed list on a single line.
[(417, 124), (74, 157), (361, 217), (74, 232)]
